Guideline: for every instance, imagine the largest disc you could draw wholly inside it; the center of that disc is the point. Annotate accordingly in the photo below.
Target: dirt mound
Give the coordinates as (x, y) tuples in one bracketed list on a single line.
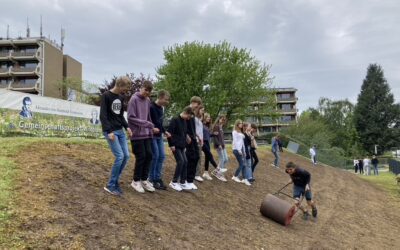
[(61, 204)]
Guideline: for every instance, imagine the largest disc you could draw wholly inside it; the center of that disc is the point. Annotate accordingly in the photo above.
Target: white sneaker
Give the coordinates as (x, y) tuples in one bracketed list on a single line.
[(222, 170), (245, 181), (185, 186), (207, 176), (219, 176), (236, 179), (175, 186), (148, 186), (137, 185), (198, 178), (194, 187)]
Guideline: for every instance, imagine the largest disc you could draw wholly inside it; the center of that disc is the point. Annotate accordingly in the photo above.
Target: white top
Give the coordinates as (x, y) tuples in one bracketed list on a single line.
[(312, 152), (199, 128), (237, 141), (366, 161), (355, 162)]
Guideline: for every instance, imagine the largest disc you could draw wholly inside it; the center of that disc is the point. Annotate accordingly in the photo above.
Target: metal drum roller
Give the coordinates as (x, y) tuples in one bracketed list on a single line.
[(277, 209)]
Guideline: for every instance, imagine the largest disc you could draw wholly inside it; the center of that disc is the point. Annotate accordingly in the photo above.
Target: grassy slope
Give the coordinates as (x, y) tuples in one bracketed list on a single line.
[(385, 180)]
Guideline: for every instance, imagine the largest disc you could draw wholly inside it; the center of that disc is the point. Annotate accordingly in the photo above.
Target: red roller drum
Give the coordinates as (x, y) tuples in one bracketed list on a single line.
[(277, 209)]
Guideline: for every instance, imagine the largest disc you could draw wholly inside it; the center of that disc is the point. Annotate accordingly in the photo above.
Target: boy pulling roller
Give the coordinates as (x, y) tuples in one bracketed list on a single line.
[(301, 187)]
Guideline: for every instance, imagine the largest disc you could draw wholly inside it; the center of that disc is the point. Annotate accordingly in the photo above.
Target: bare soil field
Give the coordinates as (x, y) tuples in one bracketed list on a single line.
[(60, 204)]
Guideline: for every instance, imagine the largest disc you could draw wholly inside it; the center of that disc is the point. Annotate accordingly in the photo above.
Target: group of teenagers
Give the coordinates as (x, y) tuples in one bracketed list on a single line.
[(363, 166), (188, 134)]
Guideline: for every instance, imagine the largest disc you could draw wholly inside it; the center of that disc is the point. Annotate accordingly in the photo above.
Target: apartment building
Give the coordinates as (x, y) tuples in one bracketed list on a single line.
[(286, 111), (36, 66)]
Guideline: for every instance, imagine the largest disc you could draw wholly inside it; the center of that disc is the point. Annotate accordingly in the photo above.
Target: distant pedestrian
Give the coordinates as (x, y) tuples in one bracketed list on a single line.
[(361, 166), (313, 155), (275, 150), (367, 166), (355, 164), (375, 163)]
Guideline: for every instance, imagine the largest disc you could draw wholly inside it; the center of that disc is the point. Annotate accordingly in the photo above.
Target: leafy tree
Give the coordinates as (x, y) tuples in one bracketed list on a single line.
[(376, 114), (137, 82), (226, 77)]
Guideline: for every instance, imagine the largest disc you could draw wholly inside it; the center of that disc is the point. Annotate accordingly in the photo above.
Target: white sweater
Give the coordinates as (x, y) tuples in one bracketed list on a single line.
[(237, 141), (199, 128)]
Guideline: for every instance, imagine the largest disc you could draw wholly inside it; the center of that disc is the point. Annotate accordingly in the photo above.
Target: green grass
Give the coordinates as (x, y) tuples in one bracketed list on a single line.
[(385, 180)]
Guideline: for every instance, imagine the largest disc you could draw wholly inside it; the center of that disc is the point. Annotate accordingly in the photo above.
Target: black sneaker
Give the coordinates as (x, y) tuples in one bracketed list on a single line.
[(314, 212), (306, 216), (252, 180), (156, 184), (162, 186)]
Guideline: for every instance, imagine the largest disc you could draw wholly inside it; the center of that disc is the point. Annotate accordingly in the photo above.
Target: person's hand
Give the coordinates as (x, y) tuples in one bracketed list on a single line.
[(215, 133), (129, 132), (172, 149), (307, 187), (201, 142), (220, 147), (111, 136), (188, 140), (156, 130), (167, 134)]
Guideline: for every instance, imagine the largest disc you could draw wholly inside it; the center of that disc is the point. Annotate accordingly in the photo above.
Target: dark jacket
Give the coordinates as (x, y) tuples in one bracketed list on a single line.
[(157, 117), (218, 139), (112, 112), (178, 130), (301, 177), (374, 161)]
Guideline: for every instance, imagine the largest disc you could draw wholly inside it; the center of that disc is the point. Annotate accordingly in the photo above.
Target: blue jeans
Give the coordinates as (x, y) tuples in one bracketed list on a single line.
[(156, 167), (119, 148), (276, 161), (222, 157), (243, 167), (376, 169)]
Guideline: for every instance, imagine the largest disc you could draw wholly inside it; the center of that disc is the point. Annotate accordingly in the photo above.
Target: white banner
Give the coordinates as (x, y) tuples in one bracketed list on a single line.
[(29, 104)]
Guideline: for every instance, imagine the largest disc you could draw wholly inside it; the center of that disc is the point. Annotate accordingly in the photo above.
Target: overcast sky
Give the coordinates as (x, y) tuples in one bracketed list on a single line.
[(320, 47)]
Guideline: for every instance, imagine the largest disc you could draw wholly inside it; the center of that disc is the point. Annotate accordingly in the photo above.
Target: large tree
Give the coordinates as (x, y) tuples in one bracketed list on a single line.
[(376, 114), (227, 78)]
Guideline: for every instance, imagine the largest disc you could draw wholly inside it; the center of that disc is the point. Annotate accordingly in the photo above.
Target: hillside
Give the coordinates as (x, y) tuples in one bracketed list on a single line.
[(59, 202)]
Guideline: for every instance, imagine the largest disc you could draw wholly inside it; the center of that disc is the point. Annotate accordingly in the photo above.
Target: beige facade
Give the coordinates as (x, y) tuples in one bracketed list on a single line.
[(36, 66)]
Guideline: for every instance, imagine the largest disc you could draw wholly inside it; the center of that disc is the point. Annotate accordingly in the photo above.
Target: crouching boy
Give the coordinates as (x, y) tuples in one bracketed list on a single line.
[(301, 188)]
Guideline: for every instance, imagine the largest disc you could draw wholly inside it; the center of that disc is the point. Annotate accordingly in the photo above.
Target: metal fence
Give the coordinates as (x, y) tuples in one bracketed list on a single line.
[(394, 166)]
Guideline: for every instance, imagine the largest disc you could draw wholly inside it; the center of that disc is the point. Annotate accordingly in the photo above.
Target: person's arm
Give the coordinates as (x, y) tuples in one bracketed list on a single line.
[(307, 178), (104, 115), (133, 118), (216, 137), (171, 130)]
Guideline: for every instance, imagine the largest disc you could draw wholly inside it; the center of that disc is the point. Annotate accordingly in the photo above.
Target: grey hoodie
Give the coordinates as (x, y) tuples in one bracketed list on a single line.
[(139, 120)]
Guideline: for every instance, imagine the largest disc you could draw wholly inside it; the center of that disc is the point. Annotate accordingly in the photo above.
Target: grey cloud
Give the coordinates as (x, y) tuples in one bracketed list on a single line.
[(320, 47)]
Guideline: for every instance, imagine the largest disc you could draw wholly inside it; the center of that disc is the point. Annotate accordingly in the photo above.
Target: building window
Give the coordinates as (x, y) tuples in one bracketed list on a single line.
[(284, 96), (286, 107)]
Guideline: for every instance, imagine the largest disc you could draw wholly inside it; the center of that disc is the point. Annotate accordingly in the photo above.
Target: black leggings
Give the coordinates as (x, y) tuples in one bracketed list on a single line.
[(209, 158), (254, 159), (181, 165)]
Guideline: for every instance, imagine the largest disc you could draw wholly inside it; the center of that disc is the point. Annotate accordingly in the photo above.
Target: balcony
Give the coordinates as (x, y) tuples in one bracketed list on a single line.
[(4, 84), (287, 111), (24, 54), (4, 55), (25, 86), (21, 71), (290, 99), (5, 71)]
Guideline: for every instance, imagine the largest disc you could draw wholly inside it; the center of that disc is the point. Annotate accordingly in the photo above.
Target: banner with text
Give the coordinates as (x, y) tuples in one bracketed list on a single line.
[(32, 115)]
